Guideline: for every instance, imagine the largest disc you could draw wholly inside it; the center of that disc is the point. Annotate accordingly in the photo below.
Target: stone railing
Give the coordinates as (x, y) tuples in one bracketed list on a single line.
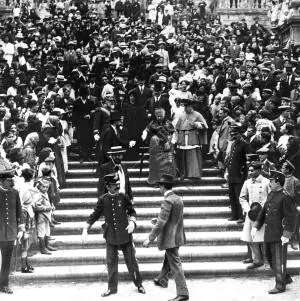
[(241, 4)]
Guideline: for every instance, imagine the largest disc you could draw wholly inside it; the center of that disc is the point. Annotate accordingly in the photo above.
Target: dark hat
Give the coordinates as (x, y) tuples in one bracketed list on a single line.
[(166, 179), (252, 157), (254, 211), (115, 116), (116, 150), (15, 155), (112, 178), (267, 91), (6, 171), (277, 176)]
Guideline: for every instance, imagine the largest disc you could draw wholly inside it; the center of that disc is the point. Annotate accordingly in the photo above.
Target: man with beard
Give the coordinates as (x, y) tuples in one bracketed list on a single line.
[(161, 157), (115, 165), (112, 136)]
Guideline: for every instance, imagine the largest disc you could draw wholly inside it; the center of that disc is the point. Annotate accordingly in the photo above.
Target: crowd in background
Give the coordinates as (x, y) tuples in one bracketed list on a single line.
[(168, 75)]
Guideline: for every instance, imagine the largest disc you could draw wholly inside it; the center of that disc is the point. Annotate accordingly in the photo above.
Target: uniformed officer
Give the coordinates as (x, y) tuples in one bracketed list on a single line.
[(120, 222), (11, 223), (266, 165), (278, 214)]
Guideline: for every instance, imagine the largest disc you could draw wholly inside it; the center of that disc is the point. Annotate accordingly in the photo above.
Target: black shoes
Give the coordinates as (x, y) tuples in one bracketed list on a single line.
[(276, 290), (6, 290), (26, 270), (180, 298), (160, 282), (141, 290), (108, 293)]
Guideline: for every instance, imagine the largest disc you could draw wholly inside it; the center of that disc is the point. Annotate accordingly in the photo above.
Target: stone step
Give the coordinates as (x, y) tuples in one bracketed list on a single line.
[(64, 242), (147, 213), (81, 273), (144, 201), (93, 164), (191, 225), (149, 191), (133, 172), (92, 182), (145, 255)]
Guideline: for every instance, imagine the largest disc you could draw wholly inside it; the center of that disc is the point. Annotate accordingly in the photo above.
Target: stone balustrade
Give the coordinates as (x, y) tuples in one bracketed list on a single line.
[(241, 4)]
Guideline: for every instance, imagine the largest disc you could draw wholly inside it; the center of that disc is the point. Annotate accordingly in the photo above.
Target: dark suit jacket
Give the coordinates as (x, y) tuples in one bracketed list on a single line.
[(279, 215), (169, 227), (140, 99), (162, 102), (108, 168), (277, 123), (220, 83), (109, 139)]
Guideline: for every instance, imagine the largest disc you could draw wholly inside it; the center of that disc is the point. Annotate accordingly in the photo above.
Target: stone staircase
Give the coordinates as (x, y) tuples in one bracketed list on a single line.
[(213, 245)]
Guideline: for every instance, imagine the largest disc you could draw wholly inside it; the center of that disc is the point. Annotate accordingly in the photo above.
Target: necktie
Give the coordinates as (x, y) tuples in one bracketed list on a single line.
[(142, 90)]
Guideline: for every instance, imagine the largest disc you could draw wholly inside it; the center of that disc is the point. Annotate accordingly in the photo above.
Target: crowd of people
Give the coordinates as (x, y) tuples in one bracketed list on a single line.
[(168, 76)]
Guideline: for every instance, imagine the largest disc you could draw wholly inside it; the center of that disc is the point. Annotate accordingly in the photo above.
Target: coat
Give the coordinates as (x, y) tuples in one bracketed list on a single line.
[(224, 133), (140, 99), (169, 228), (109, 168), (279, 216), (251, 193), (11, 218), (117, 209)]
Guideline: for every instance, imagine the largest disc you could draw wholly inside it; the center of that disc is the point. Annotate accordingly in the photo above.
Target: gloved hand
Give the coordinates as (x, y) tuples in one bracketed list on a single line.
[(132, 143), (96, 137), (144, 135), (130, 227), (284, 240)]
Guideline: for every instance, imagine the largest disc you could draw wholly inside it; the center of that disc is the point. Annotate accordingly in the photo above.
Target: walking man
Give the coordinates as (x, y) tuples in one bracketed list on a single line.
[(170, 232), (278, 214), (120, 222)]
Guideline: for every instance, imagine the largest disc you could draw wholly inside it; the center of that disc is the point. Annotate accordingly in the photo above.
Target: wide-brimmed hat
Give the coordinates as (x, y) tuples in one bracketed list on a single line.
[(111, 178), (254, 211), (166, 179), (236, 128), (116, 150)]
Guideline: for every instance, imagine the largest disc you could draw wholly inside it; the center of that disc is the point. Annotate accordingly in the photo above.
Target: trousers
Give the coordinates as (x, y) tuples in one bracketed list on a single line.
[(257, 252), (274, 254), (234, 194), (172, 264), (7, 248), (130, 260)]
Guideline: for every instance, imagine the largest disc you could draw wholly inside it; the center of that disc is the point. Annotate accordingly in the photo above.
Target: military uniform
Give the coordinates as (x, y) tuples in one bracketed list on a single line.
[(278, 216), (11, 222), (116, 208), (236, 166)]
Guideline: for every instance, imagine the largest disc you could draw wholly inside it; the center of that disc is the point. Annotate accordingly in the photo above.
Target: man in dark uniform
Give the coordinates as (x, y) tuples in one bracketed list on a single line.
[(120, 222), (279, 215), (235, 162), (11, 223), (115, 165)]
